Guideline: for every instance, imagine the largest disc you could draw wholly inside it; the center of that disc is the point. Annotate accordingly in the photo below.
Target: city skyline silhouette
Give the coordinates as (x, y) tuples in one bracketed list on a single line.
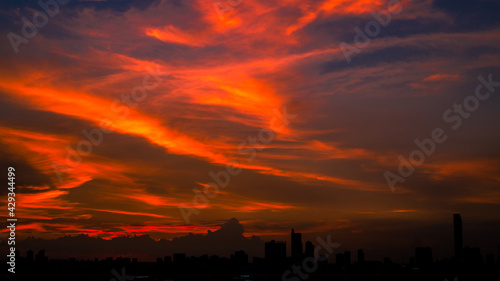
[(250, 139), (466, 262)]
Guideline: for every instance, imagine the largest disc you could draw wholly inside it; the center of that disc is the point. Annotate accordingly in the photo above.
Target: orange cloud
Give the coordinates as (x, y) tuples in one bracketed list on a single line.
[(259, 206), (45, 200), (129, 213), (168, 229), (442, 77), (88, 107), (485, 198), (172, 34), (485, 169), (151, 199), (312, 12)]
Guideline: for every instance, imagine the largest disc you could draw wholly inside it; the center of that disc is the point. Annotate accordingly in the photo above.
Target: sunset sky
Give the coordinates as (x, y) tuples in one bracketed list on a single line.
[(186, 89)]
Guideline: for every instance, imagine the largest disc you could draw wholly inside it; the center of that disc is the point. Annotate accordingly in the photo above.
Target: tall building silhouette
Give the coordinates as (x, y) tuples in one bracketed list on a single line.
[(347, 257), (309, 251), (457, 234), (240, 258), (275, 253), (296, 246), (339, 259), (361, 256), (40, 257), (29, 255)]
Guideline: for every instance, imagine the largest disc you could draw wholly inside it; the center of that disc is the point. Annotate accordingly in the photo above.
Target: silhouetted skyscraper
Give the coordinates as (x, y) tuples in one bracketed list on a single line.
[(347, 257), (240, 258), (309, 249), (339, 259), (361, 256), (457, 234), (29, 255), (275, 253), (296, 246), (40, 257)]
